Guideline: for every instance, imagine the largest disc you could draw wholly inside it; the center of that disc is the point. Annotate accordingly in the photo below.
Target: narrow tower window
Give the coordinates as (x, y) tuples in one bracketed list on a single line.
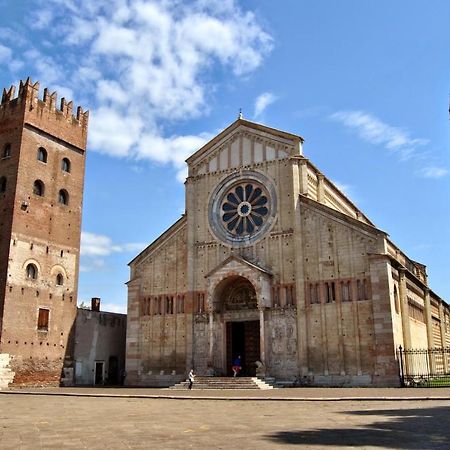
[(65, 165), (39, 188), (32, 271), (43, 319), (59, 280), (2, 185), (6, 151), (63, 197), (42, 154)]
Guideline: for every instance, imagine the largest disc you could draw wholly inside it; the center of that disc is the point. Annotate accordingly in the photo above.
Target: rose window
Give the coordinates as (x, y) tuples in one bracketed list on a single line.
[(244, 209)]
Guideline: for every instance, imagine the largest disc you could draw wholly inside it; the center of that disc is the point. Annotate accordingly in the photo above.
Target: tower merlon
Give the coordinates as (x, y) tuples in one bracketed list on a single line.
[(27, 101)]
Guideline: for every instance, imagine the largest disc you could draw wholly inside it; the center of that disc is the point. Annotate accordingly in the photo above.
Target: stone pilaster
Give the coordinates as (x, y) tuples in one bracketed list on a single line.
[(262, 336), (404, 308), (443, 343)]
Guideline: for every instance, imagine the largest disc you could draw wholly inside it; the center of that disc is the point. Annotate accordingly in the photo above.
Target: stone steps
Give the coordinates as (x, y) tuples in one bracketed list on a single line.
[(225, 383), (6, 374)]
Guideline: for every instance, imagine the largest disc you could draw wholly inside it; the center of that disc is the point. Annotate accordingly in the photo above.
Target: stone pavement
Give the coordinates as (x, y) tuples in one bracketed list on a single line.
[(288, 394), (83, 422)]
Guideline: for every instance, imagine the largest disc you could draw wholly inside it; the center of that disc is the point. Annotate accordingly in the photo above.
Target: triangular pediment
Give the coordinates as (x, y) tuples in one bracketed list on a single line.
[(237, 263), (244, 143)]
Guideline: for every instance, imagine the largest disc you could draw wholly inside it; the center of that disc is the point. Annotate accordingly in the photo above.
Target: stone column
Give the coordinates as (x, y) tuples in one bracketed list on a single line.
[(262, 336), (404, 308), (211, 338)]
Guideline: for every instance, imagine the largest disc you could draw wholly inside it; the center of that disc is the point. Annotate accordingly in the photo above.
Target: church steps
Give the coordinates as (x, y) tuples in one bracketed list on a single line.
[(225, 383)]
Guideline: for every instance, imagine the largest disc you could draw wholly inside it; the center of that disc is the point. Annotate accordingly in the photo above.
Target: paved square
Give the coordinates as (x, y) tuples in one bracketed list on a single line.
[(32, 422)]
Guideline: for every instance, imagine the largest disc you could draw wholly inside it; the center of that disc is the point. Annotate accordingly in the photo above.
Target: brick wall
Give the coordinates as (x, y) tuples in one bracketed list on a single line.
[(40, 230)]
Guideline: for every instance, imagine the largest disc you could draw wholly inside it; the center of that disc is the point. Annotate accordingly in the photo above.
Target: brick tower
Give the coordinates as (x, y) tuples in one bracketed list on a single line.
[(42, 158)]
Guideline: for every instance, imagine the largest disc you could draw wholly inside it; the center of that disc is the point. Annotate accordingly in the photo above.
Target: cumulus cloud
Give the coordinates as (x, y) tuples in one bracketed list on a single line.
[(433, 172), (99, 245), (5, 53), (41, 19), (262, 102), (375, 131), (140, 65)]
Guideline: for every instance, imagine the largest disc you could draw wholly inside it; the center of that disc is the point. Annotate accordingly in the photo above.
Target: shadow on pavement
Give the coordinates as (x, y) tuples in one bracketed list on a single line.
[(427, 428)]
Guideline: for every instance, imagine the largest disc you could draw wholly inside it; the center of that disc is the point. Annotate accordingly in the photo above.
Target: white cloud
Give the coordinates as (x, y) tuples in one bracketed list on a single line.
[(433, 172), (41, 19), (92, 264), (375, 131), (344, 188), (262, 102), (138, 64), (99, 245), (5, 53)]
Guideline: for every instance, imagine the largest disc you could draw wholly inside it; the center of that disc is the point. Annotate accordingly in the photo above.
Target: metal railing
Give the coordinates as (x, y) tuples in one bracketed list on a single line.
[(428, 367)]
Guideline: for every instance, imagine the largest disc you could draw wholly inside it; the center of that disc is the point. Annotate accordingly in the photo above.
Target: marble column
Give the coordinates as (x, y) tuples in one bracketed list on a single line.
[(211, 339), (262, 336)]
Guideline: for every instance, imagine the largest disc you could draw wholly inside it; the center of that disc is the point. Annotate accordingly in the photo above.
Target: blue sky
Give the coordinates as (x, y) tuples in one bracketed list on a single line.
[(365, 83)]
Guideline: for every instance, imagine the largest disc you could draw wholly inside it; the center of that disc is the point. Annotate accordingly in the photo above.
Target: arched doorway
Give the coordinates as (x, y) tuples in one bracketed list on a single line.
[(239, 307)]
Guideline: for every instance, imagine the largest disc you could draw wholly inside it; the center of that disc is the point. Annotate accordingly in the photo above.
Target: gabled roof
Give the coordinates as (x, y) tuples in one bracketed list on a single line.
[(240, 260), (248, 124), (161, 238), (368, 227)]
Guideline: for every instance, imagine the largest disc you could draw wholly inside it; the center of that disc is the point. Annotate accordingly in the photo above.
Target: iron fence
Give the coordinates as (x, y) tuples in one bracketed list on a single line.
[(428, 367)]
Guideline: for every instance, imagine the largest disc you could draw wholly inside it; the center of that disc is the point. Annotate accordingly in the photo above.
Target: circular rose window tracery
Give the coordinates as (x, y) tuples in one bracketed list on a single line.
[(242, 208)]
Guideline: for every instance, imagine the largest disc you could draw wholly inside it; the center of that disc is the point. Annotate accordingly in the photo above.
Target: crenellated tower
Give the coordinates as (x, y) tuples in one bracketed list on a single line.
[(42, 161)]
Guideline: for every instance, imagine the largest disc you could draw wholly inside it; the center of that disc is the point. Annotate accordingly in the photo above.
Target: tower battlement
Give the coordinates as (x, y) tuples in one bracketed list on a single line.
[(44, 112)]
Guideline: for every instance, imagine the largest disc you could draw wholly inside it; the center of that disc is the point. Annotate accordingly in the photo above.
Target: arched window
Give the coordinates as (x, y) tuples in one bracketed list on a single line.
[(6, 151), (2, 185), (59, 280), (32, 271), (39, 188), (63, 197), (42, 154), (65, 165)]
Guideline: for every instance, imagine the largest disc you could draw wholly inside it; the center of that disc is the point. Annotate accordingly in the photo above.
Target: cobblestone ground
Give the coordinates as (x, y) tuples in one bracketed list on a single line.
[(32, 422)]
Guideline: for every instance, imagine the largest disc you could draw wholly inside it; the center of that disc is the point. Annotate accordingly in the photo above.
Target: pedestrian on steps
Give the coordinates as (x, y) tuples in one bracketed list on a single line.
[(191, 377), (237, 366)]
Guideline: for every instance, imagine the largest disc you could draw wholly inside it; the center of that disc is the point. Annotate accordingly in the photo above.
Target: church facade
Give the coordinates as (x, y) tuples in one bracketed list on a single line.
[(271, 262)]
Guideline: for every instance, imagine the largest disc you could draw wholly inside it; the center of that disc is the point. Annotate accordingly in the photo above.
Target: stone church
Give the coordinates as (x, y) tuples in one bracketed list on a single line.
[(273, 263)]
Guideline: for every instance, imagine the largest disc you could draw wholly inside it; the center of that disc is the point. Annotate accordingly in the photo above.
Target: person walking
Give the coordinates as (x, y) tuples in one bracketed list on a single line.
[(237, 366), (191, 377)]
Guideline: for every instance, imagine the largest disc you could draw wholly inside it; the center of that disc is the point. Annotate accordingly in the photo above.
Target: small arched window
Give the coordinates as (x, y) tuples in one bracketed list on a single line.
[(32, 271), (59, 280), (6, 151), (63, 197), (42, 154), (2, 185), (65, 165), (39, 188)]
